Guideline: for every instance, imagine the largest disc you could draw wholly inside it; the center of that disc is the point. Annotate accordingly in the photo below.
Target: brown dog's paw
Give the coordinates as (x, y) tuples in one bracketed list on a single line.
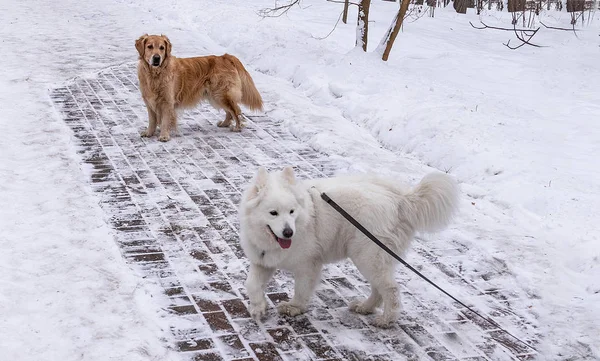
[(164, 138), (146, 134), (223, 124)]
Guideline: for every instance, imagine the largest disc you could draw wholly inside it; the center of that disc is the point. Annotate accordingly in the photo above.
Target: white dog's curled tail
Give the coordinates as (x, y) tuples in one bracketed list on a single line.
[(432, 203)]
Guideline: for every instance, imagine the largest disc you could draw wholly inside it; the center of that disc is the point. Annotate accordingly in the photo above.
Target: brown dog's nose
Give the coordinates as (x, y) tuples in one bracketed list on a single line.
[(156, 60)]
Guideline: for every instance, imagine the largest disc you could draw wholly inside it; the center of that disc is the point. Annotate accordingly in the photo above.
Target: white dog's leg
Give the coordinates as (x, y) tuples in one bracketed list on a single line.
[(258, 278), (304, 286), (368, 306), (378, 269), (391, 304)]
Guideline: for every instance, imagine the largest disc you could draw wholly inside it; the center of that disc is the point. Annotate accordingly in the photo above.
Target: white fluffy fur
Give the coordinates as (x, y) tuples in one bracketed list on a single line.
[(321, 235)]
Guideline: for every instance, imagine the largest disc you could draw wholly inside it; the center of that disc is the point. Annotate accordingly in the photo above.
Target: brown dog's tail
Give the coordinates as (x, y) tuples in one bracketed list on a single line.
[(250, 95)]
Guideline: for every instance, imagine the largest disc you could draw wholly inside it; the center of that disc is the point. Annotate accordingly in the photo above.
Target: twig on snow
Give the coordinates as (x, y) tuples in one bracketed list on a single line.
[(524, 41), (563, 29), (524, 35), (485, 26)]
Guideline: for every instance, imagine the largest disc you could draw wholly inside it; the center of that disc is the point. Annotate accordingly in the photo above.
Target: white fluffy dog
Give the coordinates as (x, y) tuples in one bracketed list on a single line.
[(286, 225)]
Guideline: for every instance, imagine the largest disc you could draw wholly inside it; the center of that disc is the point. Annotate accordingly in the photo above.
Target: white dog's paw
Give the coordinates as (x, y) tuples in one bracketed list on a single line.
[(287, 308), (257, 310), (358, 306), (385, 321)]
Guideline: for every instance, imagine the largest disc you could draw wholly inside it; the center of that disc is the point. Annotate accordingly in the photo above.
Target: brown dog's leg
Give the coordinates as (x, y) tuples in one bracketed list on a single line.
[(167, 120), (227, 122), (238, 120), (234, 110), (151, 123)]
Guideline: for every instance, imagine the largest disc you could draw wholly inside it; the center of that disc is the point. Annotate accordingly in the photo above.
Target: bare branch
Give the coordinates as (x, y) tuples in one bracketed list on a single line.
[(512, 47), (342, 2), (485, 26), (416, 17), (563, 29), (523, 35), (332, 30), (555, 28), (278, 10), (524, 41)]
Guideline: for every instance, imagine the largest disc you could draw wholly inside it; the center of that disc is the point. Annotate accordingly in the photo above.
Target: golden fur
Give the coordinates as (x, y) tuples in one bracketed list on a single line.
[(168, 83)]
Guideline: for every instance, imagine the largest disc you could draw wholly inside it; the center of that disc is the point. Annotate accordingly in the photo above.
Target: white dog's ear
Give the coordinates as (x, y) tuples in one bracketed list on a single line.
[(288, 175), (260, 181)]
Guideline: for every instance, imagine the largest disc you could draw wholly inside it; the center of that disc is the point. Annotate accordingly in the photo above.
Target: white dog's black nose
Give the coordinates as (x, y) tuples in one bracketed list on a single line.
[(288, 233), (156, 60)]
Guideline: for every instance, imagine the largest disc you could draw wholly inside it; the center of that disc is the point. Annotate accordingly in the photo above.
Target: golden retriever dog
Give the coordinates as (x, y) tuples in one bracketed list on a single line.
[(168, 83)]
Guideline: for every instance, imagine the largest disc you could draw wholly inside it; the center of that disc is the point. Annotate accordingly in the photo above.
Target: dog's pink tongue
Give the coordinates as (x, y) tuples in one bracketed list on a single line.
[(284, 243)]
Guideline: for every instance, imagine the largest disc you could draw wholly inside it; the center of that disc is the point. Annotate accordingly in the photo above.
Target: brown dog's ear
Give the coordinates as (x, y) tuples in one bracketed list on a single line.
[(140, 44), (167, 44)]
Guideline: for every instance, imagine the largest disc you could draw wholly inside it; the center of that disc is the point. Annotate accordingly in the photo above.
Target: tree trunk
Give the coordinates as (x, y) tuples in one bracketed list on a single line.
[(345, 16), (460, 6), (362, 24), (385, 46), (515, 6), (574, 6)]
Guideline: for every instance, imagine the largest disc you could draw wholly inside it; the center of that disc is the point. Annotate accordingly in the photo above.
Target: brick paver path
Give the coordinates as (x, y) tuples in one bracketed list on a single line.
[(173, 208)]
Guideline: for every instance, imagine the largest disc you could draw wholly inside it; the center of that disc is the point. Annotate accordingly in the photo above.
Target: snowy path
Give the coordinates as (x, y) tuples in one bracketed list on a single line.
[(173, 206)]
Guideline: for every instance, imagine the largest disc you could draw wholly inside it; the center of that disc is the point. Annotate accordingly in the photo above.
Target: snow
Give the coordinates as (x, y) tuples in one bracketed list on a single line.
[(65, 291), (518, 129)]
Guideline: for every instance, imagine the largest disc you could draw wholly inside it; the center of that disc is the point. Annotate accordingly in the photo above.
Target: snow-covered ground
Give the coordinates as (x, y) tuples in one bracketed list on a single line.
[(65, 291), (517, 128)]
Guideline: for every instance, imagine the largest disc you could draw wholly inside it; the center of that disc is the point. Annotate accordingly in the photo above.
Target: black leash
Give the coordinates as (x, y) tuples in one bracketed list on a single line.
[(360, 227)]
